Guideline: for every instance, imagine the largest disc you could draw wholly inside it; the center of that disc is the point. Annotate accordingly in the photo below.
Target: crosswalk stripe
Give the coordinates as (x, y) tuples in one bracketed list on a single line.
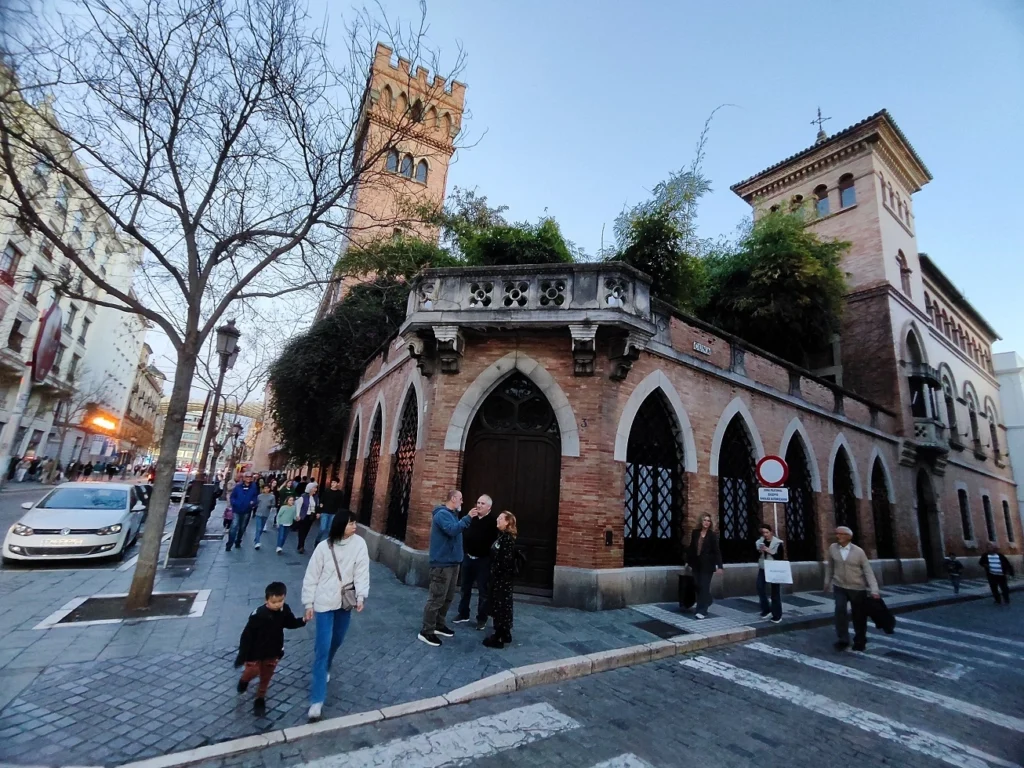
[(913, 692), (901, 643), (624, 761), (950, 671), (459, 744), (940, 747), (958, 644), (964, 632)]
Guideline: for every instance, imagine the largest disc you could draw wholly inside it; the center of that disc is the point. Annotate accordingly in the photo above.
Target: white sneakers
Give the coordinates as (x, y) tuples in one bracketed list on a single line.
[(315, 711), (257, 546), (279, 550), (698, 616)]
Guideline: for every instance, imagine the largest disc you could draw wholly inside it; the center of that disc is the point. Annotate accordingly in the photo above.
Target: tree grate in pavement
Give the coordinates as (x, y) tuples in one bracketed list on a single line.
[(107, 608), (662, 629)]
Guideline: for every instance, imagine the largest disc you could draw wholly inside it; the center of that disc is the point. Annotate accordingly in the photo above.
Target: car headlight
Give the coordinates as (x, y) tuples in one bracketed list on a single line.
[(110, 530), (22, 530)]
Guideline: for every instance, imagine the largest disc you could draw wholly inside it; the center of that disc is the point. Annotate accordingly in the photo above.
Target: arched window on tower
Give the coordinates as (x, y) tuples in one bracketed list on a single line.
[(654, 493), (844, 500), (993, 430), (417, 111), (801, 538), (847, 193), (392, 165), (892, 197), (421, 171), (796, 202), (904, 272), (950, 398), (881, 512), (972, 414), (738, 507), (407, 166), (386, 98), (821, 200)]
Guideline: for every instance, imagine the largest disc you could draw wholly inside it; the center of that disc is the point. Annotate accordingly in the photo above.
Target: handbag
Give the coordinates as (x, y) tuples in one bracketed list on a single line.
[(348, 591), (778, 572)]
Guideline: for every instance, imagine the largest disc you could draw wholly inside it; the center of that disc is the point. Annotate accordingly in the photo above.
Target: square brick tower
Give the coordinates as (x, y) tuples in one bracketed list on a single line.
[(408, 124)]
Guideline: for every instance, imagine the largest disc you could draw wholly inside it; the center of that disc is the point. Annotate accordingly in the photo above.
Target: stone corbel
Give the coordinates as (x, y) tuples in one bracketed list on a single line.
[(450, 346), (424, 352), (908, 453), (624, 352), (584, 351)]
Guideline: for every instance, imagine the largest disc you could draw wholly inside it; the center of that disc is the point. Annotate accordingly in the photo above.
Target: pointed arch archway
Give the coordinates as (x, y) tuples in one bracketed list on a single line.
[(351, 460), (801, 528), (488, 380), (371, 463), (413, 387), (403, 458), (844, 494), (794, 428), (880, 492), (842, 443), (735, 408), (656, 381), (739, 511)]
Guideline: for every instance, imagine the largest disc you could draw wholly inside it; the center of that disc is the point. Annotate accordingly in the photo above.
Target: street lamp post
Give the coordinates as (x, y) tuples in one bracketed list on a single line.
[(227, 351)]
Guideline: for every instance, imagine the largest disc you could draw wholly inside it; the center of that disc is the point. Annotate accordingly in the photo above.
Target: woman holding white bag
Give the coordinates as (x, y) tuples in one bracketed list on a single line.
[(337, 581)]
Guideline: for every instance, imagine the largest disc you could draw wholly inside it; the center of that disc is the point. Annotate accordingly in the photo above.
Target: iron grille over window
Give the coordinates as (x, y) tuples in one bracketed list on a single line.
[(401, 471), (738, 507), (1008, 521), (370, 471), (882, 513), (654, 487), (350, 470), (965, 515), (990, 521), (801, 539), (844, 501)]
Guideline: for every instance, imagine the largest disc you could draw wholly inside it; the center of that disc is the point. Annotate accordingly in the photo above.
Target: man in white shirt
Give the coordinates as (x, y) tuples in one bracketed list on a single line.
[(848, 574)]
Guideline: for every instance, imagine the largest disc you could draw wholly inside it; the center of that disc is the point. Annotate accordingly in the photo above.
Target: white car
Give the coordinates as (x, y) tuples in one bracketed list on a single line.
[(77, 520)]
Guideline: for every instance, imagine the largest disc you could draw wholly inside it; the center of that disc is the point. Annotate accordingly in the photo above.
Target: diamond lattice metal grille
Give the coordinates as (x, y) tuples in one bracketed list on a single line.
[(801, 538), (738, 507), (370, 471), (881, 512), (844, 501), (401, 471)]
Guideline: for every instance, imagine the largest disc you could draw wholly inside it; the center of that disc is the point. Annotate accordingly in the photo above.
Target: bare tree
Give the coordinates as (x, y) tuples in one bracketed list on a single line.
[(217, 138)]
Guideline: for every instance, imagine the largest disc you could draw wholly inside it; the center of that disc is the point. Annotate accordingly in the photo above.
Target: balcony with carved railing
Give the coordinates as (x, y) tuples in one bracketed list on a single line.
[(578, 297), (930, 434), (926, 373)]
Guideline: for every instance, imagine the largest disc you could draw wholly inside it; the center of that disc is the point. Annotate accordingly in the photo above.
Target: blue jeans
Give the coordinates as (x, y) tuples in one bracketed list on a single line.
[(762, 593), (282, 535), (325, 528), (238, 528), (261, 524), (331, 627)]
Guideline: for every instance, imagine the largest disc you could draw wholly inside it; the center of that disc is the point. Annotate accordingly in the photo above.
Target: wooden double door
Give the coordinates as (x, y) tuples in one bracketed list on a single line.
[(513, 454)]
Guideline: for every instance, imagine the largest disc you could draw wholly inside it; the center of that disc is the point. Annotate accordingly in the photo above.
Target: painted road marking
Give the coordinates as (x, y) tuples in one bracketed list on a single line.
[(964, 632), (913, 692), (958, 644), (901, 643), (951, 670), (459, 744), (624, 761), (931, 744)]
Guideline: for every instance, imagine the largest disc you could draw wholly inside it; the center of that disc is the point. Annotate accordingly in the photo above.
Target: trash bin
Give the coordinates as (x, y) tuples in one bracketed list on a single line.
[(187, 532)]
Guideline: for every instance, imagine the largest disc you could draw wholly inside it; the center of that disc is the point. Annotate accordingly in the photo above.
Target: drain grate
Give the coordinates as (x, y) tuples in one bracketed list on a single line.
[(662, 629)]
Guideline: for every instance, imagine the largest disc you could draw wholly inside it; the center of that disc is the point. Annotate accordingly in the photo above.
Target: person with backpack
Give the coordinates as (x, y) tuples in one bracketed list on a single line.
[(504, 566)]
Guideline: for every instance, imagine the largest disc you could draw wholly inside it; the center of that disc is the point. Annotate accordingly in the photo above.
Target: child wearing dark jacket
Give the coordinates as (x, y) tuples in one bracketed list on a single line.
[(262, 643)]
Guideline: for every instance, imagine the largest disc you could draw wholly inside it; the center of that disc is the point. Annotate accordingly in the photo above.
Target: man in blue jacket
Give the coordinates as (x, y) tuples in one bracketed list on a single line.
[(243, 502), (445, 559)]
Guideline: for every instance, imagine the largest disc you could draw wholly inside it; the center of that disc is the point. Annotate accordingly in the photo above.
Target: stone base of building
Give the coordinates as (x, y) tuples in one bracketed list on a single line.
[(601, 589)]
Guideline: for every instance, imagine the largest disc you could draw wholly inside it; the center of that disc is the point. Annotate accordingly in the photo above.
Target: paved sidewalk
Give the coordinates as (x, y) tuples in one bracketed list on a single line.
[(108, 694)]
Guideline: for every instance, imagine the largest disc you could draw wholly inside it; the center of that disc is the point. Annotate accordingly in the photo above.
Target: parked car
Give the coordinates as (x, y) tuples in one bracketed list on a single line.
[(179, 485), (77, 520)]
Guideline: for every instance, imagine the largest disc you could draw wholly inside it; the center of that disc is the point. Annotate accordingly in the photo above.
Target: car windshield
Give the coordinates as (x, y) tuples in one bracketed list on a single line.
[(179, 477), (85, 498)]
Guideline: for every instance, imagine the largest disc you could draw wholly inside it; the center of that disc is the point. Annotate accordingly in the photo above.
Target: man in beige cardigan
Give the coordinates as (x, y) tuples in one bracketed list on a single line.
[(849, 574)]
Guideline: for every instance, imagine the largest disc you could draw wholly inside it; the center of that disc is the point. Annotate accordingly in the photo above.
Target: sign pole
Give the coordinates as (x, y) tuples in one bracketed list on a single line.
[(775, 514)]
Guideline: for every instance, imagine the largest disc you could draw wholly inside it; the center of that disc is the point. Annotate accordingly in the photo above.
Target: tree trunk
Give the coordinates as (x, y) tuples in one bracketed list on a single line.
[(149, 551)]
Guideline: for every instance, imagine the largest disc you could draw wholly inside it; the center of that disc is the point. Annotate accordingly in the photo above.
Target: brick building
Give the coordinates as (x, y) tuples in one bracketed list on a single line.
[(610, 422)]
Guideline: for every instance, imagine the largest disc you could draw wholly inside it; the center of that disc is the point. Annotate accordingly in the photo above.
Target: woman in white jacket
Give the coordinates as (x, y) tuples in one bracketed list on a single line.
[(340, 563)]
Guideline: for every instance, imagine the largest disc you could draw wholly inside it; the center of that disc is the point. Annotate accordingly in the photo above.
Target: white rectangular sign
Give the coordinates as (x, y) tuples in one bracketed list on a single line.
[(773, 495)]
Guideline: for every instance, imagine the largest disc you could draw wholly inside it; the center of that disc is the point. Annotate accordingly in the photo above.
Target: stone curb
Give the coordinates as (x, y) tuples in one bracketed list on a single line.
[(521, 678)]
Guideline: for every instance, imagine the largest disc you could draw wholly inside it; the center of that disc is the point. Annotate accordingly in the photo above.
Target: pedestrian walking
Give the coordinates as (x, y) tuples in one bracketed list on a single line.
[(997, 568), (337, 581), (266, 505), (769, 547), (503, 571), (330, 500), (49, 471), (307, 508), (705, 559), (476, 563), (285, 521), (848, 574), (111, 471), (262, 643), (23, 467), (445, 558), (242, 503), (954, 568), (87, 470)]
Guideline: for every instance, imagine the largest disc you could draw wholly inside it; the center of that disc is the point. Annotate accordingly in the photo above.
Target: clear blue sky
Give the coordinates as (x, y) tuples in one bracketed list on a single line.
[(580, 107)]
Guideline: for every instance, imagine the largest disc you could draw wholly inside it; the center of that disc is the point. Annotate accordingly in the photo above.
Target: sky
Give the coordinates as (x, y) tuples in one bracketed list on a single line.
[(577, 109)]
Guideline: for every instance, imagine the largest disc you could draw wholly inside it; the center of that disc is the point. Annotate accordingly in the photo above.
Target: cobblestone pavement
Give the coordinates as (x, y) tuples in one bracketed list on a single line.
[(110, 693), (948, 694)]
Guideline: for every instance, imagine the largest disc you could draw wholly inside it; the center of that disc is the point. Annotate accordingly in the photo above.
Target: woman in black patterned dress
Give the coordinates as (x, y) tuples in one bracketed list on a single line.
[(503, 568)]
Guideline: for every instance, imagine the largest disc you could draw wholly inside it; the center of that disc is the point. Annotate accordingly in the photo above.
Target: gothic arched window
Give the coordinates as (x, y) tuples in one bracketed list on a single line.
[(370, 466), (965, 514), (847, 193), (392, 164), (421, 171), (881, 512), (655, 494), (972, 414), (844, 500), (904, 272), (401, 470), (407, 166), (739, 511), (947, 394), (990, 521), (993, 430), (801, 538), (1008, 521), (350, 468), (821, 200)]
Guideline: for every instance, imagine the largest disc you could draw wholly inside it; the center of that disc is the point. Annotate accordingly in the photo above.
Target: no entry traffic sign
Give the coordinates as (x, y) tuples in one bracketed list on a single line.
[(772, 471)]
